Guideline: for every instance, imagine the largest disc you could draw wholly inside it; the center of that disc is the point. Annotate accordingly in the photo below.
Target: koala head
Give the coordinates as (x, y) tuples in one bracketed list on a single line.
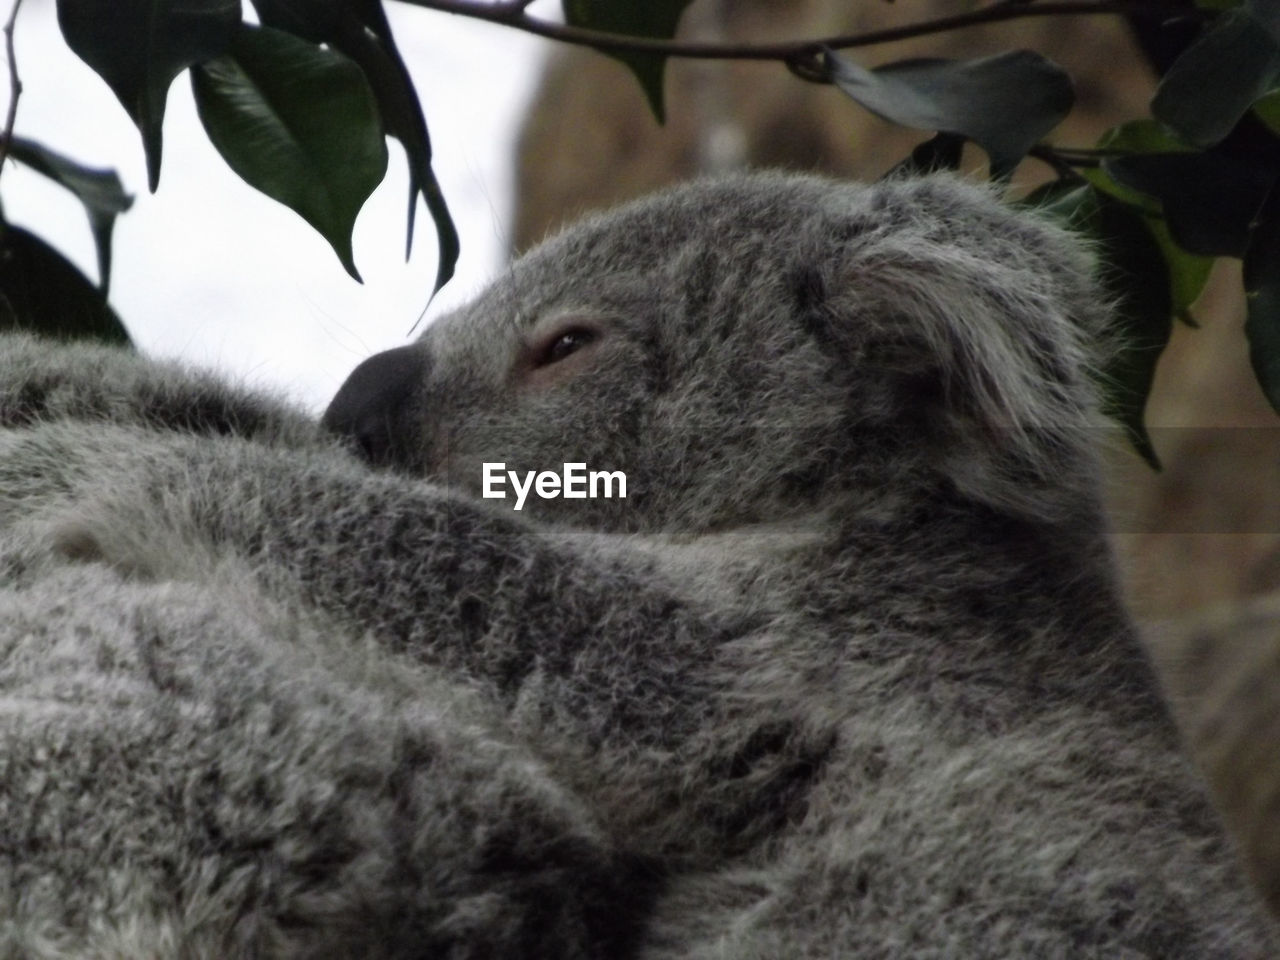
[(757, 348)]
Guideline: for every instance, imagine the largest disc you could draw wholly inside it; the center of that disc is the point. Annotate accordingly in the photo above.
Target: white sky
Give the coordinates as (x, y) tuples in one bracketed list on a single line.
[(211, 271)]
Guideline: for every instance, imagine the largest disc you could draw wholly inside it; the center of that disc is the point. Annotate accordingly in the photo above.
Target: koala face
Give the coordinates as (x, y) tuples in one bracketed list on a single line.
[(750, 349)]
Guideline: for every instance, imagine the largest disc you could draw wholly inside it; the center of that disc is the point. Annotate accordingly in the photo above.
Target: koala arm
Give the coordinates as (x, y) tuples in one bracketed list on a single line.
[(602, 666), (162, 472), (201, 770)]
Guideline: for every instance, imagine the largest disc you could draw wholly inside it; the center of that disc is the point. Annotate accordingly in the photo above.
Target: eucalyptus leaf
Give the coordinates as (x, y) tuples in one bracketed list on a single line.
[(139, 46), (1218, 78), (359, 29), (940, 152), (299, 123), (1141, 136), (1138, 278), (1209, 199), (43, 292), (653, 18), (1136, 136), (314, 20), (1004, 103), (100, 191), (1262, 293), (1188, 272), (1268, 111)]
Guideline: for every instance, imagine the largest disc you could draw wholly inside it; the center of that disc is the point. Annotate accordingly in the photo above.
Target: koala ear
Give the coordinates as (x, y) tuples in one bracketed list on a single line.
[(979, 324)]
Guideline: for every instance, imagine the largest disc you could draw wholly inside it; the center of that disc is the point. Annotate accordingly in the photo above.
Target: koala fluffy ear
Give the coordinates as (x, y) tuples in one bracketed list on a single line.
[(981, 324)]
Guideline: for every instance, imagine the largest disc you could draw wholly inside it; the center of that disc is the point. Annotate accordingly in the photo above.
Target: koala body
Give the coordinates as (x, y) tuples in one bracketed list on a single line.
[(846, 672)]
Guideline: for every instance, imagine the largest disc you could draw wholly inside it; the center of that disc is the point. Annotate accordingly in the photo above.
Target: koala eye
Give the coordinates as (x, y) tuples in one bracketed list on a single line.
[(563, 344)]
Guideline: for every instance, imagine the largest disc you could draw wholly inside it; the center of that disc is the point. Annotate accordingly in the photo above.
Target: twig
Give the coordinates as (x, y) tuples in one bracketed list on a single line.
[(15, 85), (511, 13)]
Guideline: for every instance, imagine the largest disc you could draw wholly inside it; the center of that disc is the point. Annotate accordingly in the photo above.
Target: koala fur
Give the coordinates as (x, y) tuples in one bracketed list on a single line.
[(846, 674)]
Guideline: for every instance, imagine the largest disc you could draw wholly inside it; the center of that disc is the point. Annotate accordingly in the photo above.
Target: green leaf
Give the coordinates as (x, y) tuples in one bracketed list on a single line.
[(1138, 277), (1209, 199), (299, 123), (1141, 136), (1268, 110), (359, 28), (139, 46), (1219, 77), (651, 18), (1262, 293), (1188, 272), (1136, 136), (100, 191), (43, 292), (940, 152), (1004, 103), (314, 20)]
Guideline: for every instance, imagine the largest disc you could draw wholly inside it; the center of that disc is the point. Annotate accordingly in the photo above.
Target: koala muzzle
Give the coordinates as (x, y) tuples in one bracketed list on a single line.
[(372, 406)]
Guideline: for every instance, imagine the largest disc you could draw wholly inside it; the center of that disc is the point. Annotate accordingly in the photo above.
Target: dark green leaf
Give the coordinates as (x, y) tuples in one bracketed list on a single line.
[(1138, 278), (1141, 136), (299, 123), (1188, 272), (1004, 103), (314, 20), (1268, 111), (941, 152), (43, 292), (1137, 136), (1262, 292), (1209, 199), (359, 28), (100, 191), (139, 46), (652, 18), (1209, 88)]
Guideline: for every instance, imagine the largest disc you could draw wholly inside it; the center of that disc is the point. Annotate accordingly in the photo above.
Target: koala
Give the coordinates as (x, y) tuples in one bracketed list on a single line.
[(846, 673)]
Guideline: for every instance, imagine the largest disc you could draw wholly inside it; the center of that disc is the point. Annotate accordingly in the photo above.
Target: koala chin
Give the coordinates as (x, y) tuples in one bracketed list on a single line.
[(845, 673)]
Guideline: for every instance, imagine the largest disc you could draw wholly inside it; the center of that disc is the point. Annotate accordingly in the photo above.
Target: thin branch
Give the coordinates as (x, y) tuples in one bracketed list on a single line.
[(512, 13), (15, 85), (1064, 162)]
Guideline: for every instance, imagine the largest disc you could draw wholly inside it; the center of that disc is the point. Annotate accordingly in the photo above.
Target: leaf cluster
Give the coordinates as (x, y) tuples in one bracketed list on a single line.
[(1162, 195), (299, 105)]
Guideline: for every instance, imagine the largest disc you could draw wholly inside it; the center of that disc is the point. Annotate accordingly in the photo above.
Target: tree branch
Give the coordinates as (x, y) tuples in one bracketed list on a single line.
[(15, 85), (512, 13)]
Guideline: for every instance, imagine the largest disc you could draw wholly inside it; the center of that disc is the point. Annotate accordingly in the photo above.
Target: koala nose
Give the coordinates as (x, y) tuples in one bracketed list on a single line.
[(372, 407)]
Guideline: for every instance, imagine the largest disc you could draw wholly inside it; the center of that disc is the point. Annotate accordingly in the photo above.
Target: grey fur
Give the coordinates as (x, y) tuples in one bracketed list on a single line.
[(845, 675)]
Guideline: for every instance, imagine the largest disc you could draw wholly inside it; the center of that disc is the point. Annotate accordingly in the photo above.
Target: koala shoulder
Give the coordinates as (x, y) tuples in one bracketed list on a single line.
[(43, 380)]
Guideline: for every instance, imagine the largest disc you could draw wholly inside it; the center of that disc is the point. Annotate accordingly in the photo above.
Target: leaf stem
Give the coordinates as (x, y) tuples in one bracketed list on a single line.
[(15, 85), (795, 54)]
